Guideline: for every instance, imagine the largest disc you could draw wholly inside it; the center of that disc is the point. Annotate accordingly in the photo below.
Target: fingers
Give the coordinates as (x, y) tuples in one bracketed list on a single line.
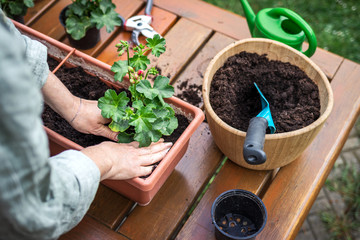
[(154, 148), (106, 132), (144, 171), (153, 158), (134, 144)]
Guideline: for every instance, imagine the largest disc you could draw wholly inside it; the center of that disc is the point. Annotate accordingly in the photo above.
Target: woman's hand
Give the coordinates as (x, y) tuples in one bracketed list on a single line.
[(119, 161), (83, 115), (88, 119)]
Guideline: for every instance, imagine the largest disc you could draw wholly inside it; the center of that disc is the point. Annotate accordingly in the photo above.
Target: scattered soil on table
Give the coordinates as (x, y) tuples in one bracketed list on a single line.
[(190, 93), (89, 87), (292, 95)]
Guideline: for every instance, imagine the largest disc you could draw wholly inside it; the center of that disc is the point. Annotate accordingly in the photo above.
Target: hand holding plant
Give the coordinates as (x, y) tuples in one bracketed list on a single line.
[(147, 117)]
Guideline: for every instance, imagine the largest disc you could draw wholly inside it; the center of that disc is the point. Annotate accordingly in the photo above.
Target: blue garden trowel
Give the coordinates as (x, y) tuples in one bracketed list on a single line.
[(255, 136)]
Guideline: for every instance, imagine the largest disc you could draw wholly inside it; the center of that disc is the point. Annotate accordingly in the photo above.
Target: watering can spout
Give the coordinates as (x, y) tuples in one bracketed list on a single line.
[(249, 14)]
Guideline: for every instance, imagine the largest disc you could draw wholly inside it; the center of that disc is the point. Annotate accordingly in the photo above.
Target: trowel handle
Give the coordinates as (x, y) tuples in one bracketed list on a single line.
[(254, 141), (298, 20)]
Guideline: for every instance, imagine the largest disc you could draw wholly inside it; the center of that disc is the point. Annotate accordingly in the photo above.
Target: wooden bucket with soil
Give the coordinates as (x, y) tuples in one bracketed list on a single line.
[(299, 94)]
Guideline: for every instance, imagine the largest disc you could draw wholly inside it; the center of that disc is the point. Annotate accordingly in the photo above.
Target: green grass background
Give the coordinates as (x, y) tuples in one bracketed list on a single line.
[(336, 23)]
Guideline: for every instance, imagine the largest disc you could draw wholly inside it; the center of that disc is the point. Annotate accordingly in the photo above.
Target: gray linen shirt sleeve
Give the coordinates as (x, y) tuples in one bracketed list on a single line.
[(41, 197), (36, 53)]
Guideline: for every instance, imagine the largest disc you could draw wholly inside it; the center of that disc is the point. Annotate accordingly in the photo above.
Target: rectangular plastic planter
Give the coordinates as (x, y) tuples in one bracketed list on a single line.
[(137, 189)]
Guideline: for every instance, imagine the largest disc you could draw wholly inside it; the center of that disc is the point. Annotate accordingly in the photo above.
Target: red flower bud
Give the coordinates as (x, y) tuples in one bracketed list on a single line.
[(141, 72)]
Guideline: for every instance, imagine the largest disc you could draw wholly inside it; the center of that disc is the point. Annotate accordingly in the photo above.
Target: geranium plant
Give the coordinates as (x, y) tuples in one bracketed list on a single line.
[(15, 7), (82, 15), (146, 116)]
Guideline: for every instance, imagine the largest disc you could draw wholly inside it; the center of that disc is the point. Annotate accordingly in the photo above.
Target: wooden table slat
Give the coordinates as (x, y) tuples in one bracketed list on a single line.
[(328, 62), (162, 22), (40, 6), (109, 207), (293, 191), (199, 226), (171, 203), (91, 229), (49, 23), (191, 36)]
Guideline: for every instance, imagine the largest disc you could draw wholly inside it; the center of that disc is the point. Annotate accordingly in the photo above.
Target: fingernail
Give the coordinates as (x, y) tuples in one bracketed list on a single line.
[(168, 144)]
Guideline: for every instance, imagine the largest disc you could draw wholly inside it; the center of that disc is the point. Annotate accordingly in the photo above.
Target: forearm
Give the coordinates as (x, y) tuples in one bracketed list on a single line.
[(59, 98)]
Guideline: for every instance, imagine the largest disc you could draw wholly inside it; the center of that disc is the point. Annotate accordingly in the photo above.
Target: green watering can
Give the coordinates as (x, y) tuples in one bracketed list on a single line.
[(282, 25)]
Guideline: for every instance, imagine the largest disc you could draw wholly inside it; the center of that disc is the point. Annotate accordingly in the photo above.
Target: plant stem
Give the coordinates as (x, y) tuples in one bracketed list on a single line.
[(161, 100), (147, 73), (128, 60)]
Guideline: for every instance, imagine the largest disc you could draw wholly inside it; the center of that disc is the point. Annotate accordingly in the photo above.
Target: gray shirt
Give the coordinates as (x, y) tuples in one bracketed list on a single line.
[(40, 197)]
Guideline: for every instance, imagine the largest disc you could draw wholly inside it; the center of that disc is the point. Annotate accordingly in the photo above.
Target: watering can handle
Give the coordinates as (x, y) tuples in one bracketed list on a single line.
[(254, 141), (309, 33)]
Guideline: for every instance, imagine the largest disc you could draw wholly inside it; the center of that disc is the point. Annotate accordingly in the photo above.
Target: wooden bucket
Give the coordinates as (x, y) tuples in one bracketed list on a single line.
[(280, 148)]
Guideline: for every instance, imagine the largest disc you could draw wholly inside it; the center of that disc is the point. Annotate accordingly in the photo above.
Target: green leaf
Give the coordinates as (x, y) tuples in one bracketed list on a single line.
[(142, 120), (120, 68), (162, 84), (167, 124), (124, 137), (16, 8), (29, 3), (161, 124), (174, 123), (110, 19), (145, 138), (161, 88), (161, 112), (157, 45), (137, 104), (144, 87), (113, 106), (139, 62), (119, 126), (78, 8), (77, 27), (156, 102), (106, 4)]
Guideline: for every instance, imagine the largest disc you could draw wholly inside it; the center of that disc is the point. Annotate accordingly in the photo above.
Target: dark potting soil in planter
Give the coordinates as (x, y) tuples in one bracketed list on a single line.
[(292, 95), (52, 63), (89, 87)]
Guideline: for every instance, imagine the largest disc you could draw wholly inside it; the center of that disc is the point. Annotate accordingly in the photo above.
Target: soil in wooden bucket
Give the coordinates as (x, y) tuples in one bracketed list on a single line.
[(292, 95), (88, 87)]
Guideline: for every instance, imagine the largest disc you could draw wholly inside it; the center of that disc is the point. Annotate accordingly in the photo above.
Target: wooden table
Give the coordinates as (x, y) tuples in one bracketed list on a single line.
[(195, 31)]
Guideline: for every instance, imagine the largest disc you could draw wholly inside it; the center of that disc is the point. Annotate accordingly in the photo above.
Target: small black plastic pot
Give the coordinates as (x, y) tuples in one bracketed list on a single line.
[(238, 214), (91, 38)]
